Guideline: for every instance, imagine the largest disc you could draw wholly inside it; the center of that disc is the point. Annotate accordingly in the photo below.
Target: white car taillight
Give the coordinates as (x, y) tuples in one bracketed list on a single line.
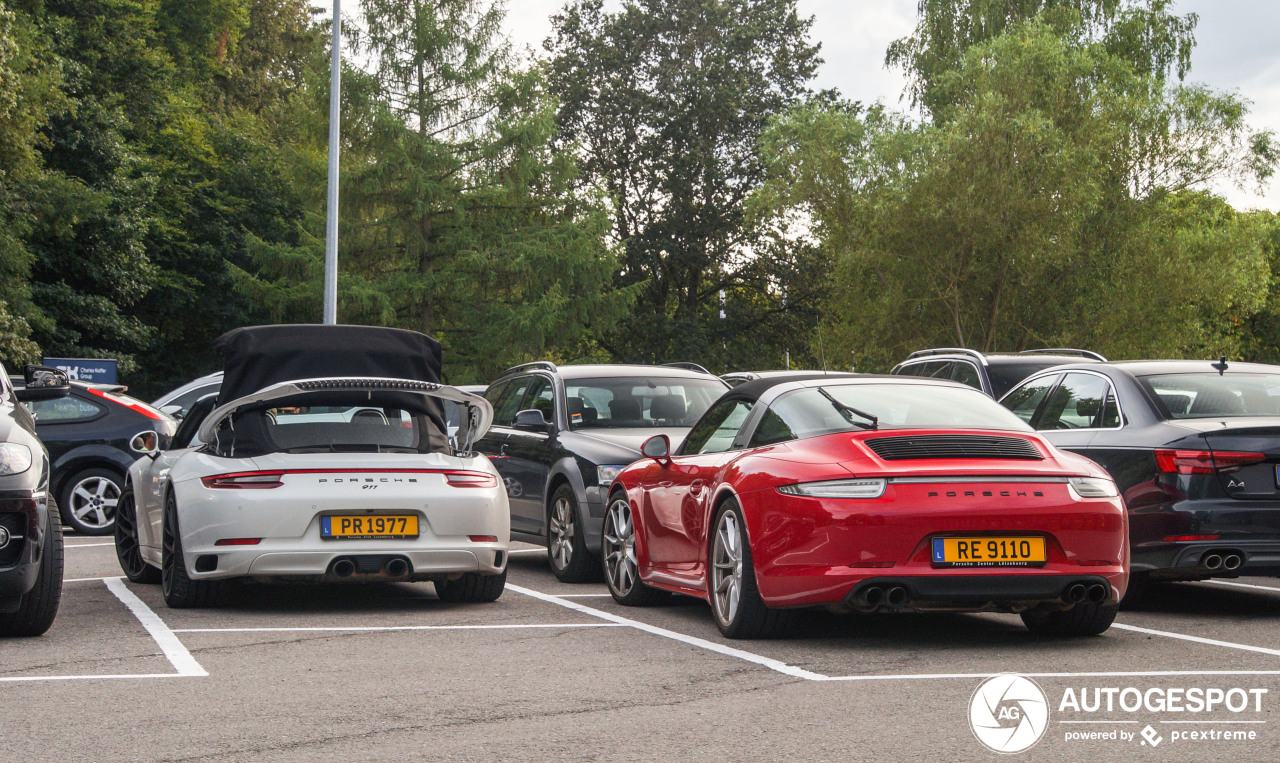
[(470, 479), (244, 480)]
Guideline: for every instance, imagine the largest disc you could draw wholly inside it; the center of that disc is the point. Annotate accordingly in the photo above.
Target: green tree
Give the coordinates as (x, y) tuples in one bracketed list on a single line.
[(665, 102), (1054, 199), (458, 218)]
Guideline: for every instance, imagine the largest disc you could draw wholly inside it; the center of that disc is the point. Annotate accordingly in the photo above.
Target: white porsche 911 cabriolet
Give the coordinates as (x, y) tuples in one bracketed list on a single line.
[(324, 457)]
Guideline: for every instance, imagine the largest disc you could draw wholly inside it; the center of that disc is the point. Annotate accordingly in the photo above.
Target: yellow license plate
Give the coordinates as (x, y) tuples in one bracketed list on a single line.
[(369, 526), (988, 552)]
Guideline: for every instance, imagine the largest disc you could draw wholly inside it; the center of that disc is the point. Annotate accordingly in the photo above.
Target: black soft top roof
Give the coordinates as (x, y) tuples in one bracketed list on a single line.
[(260, 356)]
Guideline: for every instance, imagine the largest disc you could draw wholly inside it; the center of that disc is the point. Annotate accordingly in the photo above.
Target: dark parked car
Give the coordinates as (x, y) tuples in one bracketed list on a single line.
[(995, 373), (30, 534), (561, 434), (1194, 447), (734, 378), (93, 435)]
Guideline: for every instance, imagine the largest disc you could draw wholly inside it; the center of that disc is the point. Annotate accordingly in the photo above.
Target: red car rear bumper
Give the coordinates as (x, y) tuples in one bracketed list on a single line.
[(817, 551)]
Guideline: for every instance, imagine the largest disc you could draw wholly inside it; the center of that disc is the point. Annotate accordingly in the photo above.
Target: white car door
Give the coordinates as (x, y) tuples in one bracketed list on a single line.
[(154, 476)]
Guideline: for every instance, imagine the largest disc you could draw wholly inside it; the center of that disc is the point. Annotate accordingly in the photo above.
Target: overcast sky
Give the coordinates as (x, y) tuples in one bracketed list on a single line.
[(1237, 50)]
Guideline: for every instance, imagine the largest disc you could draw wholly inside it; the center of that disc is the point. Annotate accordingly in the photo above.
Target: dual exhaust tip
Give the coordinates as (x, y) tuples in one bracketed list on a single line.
[(1222, 560), (394, 568), (874, 597), (1092, 592)]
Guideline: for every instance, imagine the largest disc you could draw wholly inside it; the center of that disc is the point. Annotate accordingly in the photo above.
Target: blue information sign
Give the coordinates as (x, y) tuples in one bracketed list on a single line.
[(95, 370)]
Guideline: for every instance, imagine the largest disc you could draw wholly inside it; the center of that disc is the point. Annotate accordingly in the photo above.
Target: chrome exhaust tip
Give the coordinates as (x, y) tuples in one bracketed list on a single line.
[(1232, 562), (1097, 593), (396, 568), (1076, 593), (344, 568), (1211, 561), (871, 597), (896, 597)]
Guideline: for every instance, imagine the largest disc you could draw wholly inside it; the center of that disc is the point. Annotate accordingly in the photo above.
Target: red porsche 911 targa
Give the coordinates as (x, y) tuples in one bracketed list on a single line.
[(862, 494)]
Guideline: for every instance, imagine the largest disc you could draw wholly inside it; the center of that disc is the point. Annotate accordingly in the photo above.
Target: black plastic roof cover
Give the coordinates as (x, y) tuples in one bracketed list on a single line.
[(260, 356)]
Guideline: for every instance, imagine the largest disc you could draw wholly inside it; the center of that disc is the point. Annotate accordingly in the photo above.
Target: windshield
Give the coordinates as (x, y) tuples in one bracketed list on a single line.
[(1210, 395), (810, 413), (639, 403)]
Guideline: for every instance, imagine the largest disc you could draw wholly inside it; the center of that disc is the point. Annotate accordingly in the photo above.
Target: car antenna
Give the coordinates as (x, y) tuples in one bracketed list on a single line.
[(821, 352), (1221, 365)]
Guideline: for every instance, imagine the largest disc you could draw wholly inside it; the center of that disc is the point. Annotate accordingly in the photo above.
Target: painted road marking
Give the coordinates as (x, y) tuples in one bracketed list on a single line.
[(173, 650), (358, 629), (797, 672)]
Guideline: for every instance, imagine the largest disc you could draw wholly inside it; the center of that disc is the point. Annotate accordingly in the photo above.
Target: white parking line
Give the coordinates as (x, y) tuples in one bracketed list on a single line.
[(83, 580), (585, 596), (169, 644), (173, 649), (711, 646), (1242, 585), (527, 551), (358, 628), (85, 545), (796, 672)]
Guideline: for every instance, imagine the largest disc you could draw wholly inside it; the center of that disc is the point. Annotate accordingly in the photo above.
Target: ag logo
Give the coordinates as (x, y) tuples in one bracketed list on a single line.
[(1009, 713)]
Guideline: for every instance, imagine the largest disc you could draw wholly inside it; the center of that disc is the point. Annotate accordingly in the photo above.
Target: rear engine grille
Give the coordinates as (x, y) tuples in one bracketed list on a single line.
[(954, 446), (16, 524)]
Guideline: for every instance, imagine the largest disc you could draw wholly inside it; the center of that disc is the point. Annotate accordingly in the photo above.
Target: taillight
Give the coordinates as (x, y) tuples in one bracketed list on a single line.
[(1204, 461), (483, 538), (133, 405), (244, 480), (1187, 538), (470, 479)]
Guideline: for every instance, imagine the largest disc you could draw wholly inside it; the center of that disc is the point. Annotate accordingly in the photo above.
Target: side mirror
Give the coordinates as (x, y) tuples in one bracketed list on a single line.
[(43, 383), (658, 448), (146, 443), (531, 420)]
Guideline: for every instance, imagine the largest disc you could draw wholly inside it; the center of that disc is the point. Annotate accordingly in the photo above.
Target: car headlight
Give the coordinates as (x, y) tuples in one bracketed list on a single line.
[(837, 489), (1092, 487), (14, 458), (606, 474)]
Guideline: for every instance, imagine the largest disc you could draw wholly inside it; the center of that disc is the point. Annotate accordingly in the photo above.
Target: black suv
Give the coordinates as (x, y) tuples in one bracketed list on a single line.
[(995, 373), (30, 533), (561, 434)]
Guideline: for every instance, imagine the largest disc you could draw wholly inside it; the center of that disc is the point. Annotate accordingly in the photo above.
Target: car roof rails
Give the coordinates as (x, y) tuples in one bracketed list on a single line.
[(1090, 354), (688, 367), (539, 365), (948, 351)]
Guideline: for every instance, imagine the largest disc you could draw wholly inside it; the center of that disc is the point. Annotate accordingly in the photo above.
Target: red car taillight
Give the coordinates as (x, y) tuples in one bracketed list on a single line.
[(470, 479), (133, 405), (1204, 461), (244, 480)]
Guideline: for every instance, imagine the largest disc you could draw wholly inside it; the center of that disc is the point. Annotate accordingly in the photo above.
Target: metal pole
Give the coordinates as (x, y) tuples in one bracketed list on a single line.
[(331, 219)]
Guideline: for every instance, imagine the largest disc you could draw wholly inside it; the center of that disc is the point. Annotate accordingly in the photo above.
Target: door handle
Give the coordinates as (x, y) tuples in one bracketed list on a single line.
[(695, 487)]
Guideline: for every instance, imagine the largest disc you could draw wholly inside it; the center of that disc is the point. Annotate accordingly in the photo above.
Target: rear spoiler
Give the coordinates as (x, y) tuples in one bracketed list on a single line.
[(470, 428)]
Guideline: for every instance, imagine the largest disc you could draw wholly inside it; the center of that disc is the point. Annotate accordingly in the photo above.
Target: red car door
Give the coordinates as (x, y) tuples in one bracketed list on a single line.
[(675, 507)]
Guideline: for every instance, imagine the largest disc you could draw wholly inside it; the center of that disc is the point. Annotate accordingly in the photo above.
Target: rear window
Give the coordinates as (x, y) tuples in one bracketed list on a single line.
[(808, 413), (340, 422), (1210, 395), (635, 402)]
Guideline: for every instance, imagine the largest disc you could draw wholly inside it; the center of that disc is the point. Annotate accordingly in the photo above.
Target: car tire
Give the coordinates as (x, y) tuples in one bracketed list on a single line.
[(128, 550), (472, 587), (38, 607), (620, 566), (739, 611), (89, 499), (1083, 619), (567, 541), (180, 591)]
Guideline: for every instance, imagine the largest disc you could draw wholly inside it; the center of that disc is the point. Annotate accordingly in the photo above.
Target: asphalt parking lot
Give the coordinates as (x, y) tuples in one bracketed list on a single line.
[(554, 671)]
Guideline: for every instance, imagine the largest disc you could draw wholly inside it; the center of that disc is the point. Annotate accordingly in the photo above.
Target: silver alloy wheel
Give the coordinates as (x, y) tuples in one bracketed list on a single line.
[(620, 547), (561, 533), (93, 501), (726, 568)]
